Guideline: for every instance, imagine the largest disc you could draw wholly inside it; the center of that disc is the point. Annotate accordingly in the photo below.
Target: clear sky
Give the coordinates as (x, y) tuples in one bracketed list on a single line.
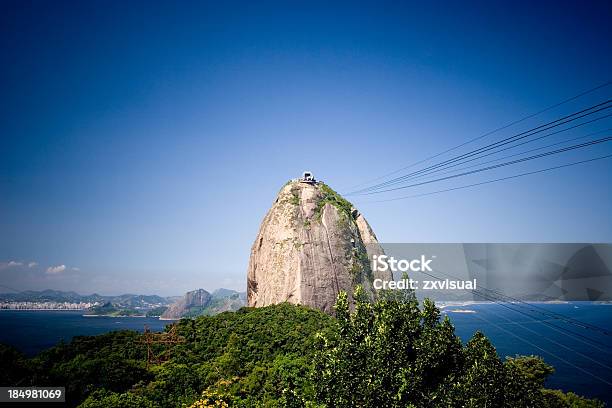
[(142, 142)]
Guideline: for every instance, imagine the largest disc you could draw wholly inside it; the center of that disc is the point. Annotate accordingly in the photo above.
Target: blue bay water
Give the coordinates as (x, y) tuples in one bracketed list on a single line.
[(582, 357), (583, 366), (33, 331)]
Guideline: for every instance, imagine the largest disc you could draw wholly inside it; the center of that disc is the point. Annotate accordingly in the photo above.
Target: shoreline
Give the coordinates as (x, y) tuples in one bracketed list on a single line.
[(110, 315), (85, 314)]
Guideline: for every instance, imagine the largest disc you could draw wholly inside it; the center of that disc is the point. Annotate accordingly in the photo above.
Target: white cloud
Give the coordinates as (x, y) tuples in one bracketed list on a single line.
[(74, 268), (54, 270), (32, 264), (10, 264)]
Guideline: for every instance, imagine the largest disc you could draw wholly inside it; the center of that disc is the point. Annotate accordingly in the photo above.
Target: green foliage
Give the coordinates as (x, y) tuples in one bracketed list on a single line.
[(533, 368), (524, 379), (15, 367), (295, 198), (173, 384), (105, 399), (105, 309), (262, 351), (559, 399), (114, 361), (483, 377), (215, 306), (249, 357), (360, 266), (330, 196), (156, 312), (394, 354), (390, 353), (109, 309)]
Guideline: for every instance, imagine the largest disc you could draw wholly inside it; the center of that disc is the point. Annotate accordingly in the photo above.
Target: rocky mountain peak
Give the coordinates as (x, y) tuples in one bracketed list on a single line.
[(195, 299), (311, 244)]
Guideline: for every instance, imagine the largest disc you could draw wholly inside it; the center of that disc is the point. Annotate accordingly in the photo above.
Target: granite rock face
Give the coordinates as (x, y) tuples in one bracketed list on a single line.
[(195, 299), (311, 244)]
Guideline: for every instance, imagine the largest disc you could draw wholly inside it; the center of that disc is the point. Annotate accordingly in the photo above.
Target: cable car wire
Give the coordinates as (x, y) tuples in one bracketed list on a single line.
[(441, 169), (491, 181), (509, 163), (538, 129), (563, 102)]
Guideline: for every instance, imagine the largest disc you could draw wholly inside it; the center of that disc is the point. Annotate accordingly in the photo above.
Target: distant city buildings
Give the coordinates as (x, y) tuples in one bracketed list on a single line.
[(46, 305)]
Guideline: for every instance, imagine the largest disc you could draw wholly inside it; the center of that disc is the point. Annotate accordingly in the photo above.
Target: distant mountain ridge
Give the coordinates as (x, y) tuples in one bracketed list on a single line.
[(49, 295), (193, 303)]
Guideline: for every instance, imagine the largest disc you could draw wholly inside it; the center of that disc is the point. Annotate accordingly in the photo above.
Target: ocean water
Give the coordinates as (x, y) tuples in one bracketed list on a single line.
[(34, 331), (582, 357)]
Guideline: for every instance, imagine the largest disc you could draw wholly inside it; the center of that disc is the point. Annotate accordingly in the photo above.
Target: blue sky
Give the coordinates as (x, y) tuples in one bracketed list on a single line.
[(142, 144)]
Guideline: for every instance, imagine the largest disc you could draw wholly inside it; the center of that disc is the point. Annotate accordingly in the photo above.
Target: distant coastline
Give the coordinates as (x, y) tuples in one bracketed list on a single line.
[(111, 315), (126, 305), (445, 304)]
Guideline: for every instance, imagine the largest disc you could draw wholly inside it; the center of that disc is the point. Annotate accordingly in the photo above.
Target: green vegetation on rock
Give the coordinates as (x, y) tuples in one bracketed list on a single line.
[(156, 312), (330, 196), (109, 309), (295, 198)]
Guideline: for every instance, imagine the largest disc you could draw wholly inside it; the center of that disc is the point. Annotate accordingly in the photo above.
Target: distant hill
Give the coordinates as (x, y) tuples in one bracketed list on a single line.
[(200, 302), (223, 293), (124, 301), (49, 295)]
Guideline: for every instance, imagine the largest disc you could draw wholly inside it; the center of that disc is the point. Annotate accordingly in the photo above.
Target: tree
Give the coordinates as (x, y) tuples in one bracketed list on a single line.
[(387, 353), (16, 370), (392, 353), (105, 399)]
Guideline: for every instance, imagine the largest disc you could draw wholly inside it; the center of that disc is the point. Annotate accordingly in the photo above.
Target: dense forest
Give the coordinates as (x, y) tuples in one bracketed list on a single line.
[(389, 353)]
